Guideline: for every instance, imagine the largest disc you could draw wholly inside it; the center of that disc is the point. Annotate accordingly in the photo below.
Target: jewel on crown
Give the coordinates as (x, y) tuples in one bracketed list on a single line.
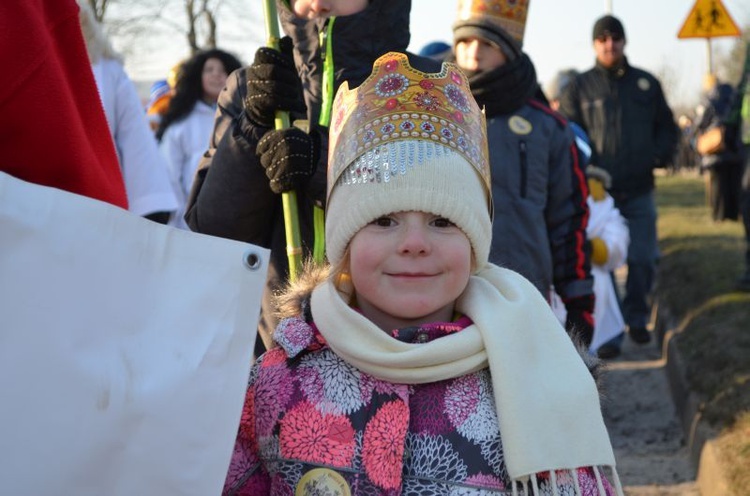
[(396, 103)]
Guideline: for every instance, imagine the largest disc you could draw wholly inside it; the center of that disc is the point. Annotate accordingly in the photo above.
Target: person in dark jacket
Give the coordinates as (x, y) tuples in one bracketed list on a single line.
[(237, 189), (632, 131), (538, 185), (724, 167)]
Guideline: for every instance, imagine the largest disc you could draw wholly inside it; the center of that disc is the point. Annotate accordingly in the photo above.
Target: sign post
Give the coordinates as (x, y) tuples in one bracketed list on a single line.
[(708, 19)]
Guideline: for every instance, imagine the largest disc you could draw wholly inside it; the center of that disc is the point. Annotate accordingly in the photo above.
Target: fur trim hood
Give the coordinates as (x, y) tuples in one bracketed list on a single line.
[(294, 299)]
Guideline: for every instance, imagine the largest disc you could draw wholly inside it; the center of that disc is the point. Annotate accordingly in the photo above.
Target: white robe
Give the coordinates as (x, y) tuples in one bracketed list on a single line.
[(183, 145), (607, 223), (143, 168)]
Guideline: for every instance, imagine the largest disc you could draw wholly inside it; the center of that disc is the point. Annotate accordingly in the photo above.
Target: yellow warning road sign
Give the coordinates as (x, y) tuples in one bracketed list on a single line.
[(708, 19)]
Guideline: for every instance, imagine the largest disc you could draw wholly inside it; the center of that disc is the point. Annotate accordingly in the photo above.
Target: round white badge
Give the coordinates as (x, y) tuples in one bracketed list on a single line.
[(643, 84), (322, 481), (519, 125)]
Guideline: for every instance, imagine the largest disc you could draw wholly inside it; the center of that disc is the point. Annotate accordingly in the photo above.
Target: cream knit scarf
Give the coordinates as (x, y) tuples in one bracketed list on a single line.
[(547, 402)]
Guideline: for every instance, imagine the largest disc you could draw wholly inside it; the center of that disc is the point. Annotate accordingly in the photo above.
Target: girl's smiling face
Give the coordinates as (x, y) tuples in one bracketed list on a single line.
[(408, 268)]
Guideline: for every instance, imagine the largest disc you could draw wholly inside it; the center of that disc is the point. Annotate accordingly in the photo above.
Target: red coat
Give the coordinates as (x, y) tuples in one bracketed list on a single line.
[(53, 130)]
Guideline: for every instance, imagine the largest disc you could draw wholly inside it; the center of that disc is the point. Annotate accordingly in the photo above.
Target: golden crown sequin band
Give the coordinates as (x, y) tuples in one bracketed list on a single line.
[(397, 102), (510, 15)]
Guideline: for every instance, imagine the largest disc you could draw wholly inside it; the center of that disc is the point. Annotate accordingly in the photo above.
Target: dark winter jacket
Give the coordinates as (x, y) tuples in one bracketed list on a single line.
[(231, 197), (630, 125), (538, 186)]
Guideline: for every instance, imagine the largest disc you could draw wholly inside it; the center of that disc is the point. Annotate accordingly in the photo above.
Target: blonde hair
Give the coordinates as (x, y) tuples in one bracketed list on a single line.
[(341, 277)]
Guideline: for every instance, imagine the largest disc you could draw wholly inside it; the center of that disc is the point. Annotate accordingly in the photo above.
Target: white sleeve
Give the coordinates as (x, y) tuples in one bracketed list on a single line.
[(144, 169)]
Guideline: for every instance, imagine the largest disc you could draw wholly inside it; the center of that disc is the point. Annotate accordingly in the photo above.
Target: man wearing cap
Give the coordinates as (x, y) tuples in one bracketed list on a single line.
[(632, 131), (538, 186)]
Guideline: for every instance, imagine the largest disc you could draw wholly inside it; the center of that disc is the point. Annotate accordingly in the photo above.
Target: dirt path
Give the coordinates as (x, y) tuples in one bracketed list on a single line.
[(652, 458)]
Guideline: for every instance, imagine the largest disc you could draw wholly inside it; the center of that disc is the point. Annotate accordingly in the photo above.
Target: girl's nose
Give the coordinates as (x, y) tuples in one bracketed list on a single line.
[(415, 240)]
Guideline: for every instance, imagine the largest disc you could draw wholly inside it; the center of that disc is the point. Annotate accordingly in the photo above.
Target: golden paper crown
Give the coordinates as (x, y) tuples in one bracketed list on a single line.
[(510, 15), (397, 102)]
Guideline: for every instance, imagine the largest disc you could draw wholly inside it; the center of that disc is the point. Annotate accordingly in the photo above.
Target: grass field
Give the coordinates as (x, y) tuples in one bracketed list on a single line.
[(701, 259)]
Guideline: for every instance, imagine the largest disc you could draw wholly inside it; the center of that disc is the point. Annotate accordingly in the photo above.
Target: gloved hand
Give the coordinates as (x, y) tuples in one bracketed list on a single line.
[(599, 251), (580, 320), (273, 84), (289, 156)]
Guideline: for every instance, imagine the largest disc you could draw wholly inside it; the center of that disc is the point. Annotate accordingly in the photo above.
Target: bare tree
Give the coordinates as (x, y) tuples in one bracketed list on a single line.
[(201, 14), (135, 20), (99, 7)]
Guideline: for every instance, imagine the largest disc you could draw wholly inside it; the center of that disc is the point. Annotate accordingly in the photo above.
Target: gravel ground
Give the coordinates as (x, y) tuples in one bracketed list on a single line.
[(650, 448)]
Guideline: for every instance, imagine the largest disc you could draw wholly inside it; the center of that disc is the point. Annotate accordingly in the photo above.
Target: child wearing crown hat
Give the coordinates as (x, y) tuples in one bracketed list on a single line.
[(411, 365), (539, 186), (237, 192)]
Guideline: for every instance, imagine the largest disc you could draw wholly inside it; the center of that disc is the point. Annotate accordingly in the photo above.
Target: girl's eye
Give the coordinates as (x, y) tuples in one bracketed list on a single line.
[(382, 222), (442, 222)]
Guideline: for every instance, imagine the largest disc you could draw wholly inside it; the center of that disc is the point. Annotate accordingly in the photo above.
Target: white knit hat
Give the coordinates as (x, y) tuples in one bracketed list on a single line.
[(406, 140)]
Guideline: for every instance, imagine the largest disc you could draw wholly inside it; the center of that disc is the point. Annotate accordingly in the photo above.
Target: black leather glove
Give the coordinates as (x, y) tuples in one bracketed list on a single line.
[(273, 84), (580, 320), (290, 156)]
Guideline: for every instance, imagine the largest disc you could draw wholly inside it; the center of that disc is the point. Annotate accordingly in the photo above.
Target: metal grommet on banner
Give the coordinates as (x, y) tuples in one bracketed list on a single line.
[(251, 260)]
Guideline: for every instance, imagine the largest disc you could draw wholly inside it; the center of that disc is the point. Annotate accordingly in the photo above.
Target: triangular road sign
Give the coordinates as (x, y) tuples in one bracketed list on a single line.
[(708, 19)]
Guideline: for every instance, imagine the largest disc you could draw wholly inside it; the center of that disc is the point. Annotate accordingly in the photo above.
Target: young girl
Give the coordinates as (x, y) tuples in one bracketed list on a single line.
[(412, 365)]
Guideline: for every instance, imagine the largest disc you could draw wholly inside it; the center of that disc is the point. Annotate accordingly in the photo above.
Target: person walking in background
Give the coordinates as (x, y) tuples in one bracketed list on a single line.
[(185, 128), (632, 131), (608, 233), (158, 101), (239, 185), (405, 366), (143, 168), (539, 186), (723, 165), (159, 96)]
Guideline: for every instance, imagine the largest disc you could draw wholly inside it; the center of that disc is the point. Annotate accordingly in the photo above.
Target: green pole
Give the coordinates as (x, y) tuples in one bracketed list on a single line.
[(288, 198)]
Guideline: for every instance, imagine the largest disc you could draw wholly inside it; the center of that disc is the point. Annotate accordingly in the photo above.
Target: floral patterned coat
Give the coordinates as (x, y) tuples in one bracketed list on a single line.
[(314, 425)]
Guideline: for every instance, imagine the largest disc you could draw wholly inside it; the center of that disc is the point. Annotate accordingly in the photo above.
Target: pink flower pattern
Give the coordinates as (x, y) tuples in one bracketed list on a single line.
[(308, 435), (383, 444), (306, 408)]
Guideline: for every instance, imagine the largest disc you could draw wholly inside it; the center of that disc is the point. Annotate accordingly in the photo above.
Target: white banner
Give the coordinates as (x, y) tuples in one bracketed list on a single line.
[(125, 348)]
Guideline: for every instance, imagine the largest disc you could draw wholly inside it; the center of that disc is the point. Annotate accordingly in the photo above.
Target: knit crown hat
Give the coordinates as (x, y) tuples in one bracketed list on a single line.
[(407, 140), (501, 22)]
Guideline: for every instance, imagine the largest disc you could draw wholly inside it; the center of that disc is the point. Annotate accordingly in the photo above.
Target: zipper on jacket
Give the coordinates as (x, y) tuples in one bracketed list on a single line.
[(524, 166)]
